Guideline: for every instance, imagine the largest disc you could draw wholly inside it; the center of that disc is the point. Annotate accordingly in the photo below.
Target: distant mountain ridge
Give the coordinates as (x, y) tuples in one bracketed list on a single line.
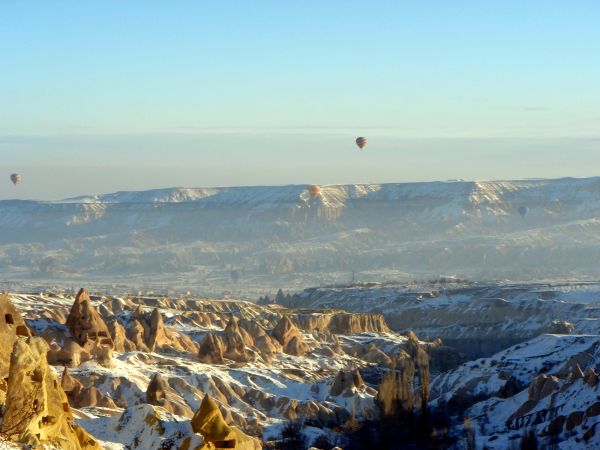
[(334, 195), (524, 228)]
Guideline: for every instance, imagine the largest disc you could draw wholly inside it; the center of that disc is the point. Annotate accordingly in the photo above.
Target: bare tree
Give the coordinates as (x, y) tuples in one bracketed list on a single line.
[(12, 426)]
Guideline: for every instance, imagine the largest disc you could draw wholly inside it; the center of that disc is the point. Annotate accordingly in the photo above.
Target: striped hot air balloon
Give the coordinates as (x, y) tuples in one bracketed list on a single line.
[(15, 178), (314, 190), (361, 142)]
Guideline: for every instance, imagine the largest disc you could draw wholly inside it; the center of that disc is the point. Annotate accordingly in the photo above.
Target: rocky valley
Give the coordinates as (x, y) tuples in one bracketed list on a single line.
[(178, 373), (326, 368)]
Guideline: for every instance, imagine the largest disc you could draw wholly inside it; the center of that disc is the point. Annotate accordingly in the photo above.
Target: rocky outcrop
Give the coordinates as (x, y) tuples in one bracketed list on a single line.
[(208, 422), (11, 327), (443, 358), (149, 333), (119, 337), (212, 349), (241, 341), (36, 411), (89, 329), (115, 306), (340, 322), (71, 354), (561, 327), (237, 342), (266, 345), (323, 414), (405, 386), (151, 427), (346, 382), (290, 338), (159, 393), (369, 353), (574, 420), (590, 377), (542, 387), (83, 397)]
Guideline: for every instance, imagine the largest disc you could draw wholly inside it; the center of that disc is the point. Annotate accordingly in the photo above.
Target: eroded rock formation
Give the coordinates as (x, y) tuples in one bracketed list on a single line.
[(241, 341), (340, 322), (208, 422), (212, 349), (11, 327), (80, 396), (36, 411), (290, 338), (408, 376), (159, 393), (346, 382), (148, 332), (89, 329)]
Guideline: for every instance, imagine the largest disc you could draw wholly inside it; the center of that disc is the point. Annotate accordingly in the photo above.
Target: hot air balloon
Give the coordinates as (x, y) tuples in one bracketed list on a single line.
[(314, 191), (361, 142), (15, 178), (523, 210)]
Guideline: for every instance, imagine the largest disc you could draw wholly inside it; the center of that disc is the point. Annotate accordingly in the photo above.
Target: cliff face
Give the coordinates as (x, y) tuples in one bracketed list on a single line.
[(340, 322), (252, 317)]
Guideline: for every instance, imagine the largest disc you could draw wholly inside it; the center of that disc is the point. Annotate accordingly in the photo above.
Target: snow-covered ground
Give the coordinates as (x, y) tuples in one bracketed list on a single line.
[(509, 398), (291, 382), (495, 392)]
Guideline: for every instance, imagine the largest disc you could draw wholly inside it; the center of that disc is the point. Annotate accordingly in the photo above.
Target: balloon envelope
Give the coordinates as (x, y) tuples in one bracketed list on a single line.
[(361, 142), (523, 210), (314, 190), (15, 178)]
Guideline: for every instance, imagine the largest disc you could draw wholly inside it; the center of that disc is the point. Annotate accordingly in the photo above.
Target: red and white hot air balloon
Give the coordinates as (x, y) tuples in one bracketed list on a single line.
[(314, 190), (15, 178), (361, 142)]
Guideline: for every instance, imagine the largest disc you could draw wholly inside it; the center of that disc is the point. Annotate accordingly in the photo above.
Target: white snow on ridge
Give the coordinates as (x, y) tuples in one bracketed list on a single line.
[(501, 415), (476, 192), (469, 229)]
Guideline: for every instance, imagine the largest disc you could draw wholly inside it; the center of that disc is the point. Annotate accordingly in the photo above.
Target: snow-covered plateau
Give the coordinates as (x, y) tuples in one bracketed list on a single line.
[(281, 236)]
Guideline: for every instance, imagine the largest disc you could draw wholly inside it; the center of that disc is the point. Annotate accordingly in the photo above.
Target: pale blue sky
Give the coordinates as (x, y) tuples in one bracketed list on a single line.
[(99, 96)]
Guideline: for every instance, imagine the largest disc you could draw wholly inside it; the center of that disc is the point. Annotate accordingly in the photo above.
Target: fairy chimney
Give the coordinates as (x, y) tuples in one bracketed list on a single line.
[(36, 411), (11, 327), (89, 329)]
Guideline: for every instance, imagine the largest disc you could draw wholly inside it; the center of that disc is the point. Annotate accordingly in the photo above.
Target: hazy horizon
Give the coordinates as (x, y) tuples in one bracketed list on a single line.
[(60, 173), (142, 95)]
